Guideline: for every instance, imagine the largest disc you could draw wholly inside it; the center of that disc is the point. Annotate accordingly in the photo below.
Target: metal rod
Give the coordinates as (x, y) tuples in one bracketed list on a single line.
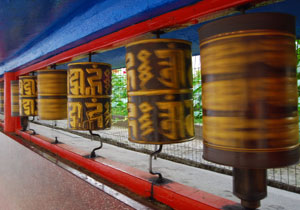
[(24, 122), (158, 33), (90, 56), (93, 153), (242, 9), (160, 178), (55, 137), (155, 148), (250, 185)]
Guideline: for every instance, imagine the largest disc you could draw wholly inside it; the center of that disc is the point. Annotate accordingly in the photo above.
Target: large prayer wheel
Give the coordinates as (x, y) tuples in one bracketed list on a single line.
[(160, 104), (1, 97), (15, 110), (52, 94), (89, 96), (28, 95), (249, 96)]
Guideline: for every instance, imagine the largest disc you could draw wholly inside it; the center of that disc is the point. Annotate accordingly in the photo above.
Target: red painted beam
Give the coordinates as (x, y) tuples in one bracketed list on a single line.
[(185, 15), (10, 123), (173, 194)]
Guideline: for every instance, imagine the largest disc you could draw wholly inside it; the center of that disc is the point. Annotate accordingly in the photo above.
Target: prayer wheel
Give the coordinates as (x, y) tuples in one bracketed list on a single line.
[(89, 96), (14, 84), (249, 96), (2, 97), (160, 103), (52, 94), (28, 96)]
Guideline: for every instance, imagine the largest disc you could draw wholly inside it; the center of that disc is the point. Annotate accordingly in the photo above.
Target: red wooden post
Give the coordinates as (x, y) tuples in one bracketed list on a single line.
[(10, 123)]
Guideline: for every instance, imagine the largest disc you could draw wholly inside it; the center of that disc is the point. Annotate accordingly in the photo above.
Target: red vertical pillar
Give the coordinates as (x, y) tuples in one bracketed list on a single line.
[(10, 123)]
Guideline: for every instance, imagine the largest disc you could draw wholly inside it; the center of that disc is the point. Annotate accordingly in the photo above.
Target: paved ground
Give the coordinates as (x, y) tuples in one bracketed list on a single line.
[(208, 181), (28, 182)]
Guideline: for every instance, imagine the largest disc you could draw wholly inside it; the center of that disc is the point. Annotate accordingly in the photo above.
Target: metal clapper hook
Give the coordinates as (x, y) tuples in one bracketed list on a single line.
[(160, 178), (32, 120), (93, 153), (33, 132), (53, 127)]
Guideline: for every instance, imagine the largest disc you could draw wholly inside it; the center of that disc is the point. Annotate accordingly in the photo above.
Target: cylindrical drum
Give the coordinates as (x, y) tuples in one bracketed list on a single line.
[(1, 97), (89, 93), (28, 96), (14, 85), (249, 92), (160, 103), (52, 94)]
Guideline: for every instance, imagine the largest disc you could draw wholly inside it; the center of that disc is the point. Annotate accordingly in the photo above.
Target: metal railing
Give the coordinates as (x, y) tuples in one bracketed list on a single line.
[(189, 153)]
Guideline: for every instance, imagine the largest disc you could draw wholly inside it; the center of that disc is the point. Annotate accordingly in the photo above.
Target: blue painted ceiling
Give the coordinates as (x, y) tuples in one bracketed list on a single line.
[(32, 30)]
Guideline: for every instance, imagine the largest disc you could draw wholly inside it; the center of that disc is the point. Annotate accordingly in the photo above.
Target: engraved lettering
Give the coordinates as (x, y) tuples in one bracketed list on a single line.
[(189, 118), (174, 64), (107, 115), (146, 124), (94, 114), (107, 81), (75, 114), (130, 62), (144, 69), (29, 87), (28, 106), (172, 118), (76, 82), (132, 123), (94, 82)]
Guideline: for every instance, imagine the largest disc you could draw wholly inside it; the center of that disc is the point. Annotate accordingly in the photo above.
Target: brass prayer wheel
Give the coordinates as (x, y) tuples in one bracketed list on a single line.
[(15, 110), (28, 96), (1, 97), (160, 103), (250, 98), (52, 94), (249, 93), (89, 96)]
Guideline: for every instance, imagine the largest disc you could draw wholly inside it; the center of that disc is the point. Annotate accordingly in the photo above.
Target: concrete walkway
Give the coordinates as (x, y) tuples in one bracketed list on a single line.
[(205, 180)]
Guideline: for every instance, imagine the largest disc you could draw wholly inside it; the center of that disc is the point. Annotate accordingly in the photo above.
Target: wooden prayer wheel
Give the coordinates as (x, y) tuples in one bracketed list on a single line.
[(89, 96), (2, 97), (249, 96), (15, 109), (28, 96), (160, 103), (52, 94)]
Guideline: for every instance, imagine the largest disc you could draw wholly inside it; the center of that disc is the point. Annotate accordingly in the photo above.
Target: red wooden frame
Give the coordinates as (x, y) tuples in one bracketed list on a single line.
[(173, 194), (185, 15)]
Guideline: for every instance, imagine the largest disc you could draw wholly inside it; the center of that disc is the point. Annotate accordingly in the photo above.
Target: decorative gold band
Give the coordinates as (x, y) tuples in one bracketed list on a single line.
[(251, 150), (236, 34), (89, 63), (158, 40), (84, 96), (158, 92)]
